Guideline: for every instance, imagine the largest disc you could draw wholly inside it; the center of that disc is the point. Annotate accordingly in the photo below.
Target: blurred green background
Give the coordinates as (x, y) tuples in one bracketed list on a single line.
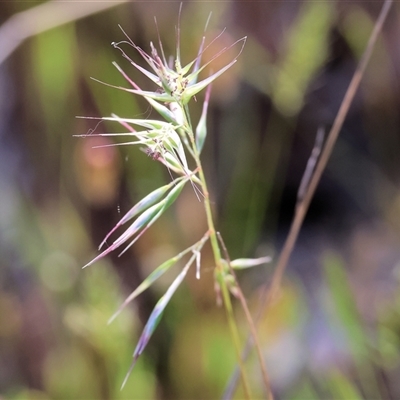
[(334, 332)]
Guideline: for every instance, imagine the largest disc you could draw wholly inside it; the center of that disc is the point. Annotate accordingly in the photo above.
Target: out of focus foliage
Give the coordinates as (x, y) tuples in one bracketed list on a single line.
[(335, 330)]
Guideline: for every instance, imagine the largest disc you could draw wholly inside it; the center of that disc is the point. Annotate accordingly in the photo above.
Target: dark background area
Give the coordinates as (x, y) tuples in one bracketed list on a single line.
[(335, 330)]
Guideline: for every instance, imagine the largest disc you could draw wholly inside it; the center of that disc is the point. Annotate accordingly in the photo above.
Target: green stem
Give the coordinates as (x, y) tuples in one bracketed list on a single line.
[(235, 336), (218, 260), (222, 282)]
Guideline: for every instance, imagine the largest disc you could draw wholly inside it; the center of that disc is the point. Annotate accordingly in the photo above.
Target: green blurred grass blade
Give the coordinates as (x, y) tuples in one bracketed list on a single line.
[(342, 388), (348, 315), (307, 49), (304, 391), (344, 303)]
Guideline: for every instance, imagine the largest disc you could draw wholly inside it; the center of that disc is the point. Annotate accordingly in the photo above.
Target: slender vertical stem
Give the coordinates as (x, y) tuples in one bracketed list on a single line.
[(219, 267), (235, 335), (249, 318), (217, 257)]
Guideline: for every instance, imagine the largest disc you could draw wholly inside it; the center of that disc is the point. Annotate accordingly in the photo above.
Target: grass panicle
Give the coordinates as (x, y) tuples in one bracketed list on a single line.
[(172, 140)]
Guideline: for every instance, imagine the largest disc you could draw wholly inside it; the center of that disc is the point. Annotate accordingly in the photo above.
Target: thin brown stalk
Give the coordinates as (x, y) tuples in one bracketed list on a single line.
[(269, 291), (304, 203), (250, 321)]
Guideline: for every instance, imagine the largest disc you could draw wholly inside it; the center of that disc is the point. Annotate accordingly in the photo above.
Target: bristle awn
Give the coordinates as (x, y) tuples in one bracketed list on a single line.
[(122, 72), (165, 97), (124, 124), (207, 22), (160, 42), (128, 374), (134, 45), (91, 131), (150, 75), (145, 56), (84, 117), (113, 86), (103, 254), (164, 161), (116, 144), (115, 134), (197, 60), (196, 190), (178, 39), (200, 52), (127, 36), (219, 54)]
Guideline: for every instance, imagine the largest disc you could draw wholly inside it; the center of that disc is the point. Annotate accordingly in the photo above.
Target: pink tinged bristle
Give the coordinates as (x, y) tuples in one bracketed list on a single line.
[(109, 234), (203, 49), (101, 255), (178, 35), (159, 42)]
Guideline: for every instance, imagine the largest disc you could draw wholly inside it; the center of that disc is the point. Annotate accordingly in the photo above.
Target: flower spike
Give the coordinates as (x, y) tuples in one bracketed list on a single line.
[(173, 142)]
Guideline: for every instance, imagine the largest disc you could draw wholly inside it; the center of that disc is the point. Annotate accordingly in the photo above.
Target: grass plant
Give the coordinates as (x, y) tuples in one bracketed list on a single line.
[(173, 141)]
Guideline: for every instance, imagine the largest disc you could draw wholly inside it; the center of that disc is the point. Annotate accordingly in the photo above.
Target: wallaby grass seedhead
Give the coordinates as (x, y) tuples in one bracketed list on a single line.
[(173, 141)]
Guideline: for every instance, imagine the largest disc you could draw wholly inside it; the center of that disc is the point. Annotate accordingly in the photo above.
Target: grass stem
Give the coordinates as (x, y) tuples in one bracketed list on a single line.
[(218, 261)]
